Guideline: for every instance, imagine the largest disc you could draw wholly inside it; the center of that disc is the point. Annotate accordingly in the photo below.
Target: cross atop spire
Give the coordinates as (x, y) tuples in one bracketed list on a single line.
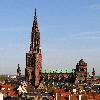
[(35, 11)]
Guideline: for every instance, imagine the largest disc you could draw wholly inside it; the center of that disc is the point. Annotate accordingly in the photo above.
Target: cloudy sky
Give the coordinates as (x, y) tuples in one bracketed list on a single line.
[(70, 31)]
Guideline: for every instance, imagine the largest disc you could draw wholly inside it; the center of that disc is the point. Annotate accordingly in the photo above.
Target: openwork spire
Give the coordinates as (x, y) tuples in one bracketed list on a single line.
[(35, 35), (35, 23)]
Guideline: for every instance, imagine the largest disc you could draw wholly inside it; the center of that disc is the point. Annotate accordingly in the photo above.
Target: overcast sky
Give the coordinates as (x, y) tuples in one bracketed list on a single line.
[(70, 31)]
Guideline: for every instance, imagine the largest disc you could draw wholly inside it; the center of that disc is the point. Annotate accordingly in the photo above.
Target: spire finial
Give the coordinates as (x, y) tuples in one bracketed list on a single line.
[(35, 11)]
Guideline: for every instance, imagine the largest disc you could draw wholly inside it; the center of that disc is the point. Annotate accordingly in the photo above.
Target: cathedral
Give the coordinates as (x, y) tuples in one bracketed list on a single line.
[(33, 71)]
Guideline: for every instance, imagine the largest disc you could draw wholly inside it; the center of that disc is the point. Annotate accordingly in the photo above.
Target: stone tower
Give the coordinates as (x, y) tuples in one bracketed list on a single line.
[(81, 71), (93, 74), (34, 57), (18, 71)]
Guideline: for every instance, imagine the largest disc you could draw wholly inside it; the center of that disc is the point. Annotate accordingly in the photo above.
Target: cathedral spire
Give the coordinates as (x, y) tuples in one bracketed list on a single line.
[(35, 23), (35, 35)]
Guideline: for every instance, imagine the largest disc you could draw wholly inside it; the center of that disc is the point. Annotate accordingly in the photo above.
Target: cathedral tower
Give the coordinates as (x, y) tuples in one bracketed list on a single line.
[(81, 71), (34, 57)]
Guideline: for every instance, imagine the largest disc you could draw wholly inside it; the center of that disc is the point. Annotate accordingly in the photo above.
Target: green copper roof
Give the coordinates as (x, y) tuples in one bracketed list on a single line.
[(48, 70)]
